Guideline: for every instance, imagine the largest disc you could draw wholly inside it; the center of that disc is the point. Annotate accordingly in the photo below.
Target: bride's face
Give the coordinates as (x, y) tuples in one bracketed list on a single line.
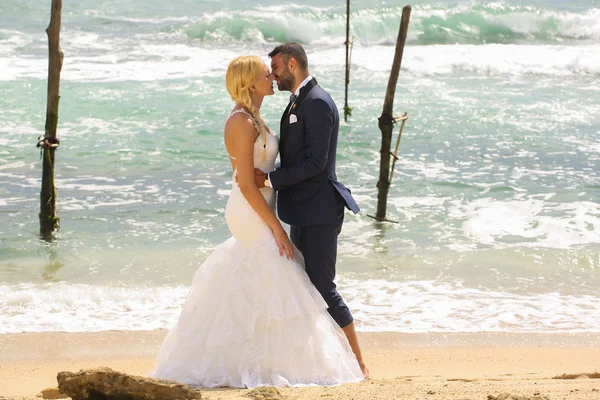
[(264, 83)]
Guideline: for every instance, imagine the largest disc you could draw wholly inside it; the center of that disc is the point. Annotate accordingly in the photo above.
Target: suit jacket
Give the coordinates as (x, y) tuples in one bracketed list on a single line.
[(306, 183)]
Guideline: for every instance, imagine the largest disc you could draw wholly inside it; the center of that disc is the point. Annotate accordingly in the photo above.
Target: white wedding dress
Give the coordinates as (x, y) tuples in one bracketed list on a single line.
[(253, 318)]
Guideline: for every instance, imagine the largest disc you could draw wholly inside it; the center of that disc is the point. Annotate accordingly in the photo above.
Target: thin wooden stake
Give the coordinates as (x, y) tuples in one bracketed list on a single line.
[(386, 121), (347, 109), (48, 219)]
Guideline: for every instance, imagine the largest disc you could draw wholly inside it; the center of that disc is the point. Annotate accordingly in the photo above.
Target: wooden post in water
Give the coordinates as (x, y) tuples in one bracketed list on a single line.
[(49, 143), (347, 109), (386, 121)]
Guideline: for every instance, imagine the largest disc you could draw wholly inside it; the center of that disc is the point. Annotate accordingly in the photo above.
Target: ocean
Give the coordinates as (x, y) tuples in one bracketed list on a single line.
[(496, 191)]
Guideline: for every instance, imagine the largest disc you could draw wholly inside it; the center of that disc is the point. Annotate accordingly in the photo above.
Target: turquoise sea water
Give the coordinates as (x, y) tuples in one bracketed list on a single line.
[(497, 190)]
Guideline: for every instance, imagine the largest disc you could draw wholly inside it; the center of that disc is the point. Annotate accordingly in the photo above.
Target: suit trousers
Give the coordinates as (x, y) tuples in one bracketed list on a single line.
[(318, 245)]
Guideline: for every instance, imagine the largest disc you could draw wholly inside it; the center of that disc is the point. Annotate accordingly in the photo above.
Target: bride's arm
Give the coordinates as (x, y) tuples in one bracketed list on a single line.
[(245, 135)]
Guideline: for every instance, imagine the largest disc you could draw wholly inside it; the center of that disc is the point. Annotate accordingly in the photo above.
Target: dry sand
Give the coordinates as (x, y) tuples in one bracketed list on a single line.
[(403, 366)]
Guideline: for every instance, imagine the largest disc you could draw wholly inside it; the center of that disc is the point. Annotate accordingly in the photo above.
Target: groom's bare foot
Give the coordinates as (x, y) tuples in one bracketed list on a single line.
[(353, 341), (365, 371)]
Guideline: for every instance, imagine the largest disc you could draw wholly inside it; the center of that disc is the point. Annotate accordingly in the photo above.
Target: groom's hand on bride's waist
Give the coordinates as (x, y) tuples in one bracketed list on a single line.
[(259, 178)]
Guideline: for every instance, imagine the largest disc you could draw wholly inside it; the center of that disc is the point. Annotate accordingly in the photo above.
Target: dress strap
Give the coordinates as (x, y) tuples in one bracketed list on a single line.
[(241, 110)]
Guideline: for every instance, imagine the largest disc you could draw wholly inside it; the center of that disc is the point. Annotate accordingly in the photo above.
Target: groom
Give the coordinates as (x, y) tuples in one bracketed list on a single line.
[(309, 197)]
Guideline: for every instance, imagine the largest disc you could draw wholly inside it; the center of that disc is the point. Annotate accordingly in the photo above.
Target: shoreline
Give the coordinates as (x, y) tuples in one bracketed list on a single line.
[(403, 365)]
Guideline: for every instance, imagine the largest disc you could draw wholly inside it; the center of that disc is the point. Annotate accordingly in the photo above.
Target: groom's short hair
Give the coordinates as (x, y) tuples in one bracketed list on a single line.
[(292, 50)]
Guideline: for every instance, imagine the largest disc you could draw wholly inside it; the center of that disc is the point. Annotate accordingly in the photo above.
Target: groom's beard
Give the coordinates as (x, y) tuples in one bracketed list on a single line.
[(286, 81)]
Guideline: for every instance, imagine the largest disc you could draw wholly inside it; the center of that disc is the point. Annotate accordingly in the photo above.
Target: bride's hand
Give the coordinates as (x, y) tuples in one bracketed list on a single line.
[(283, 242)]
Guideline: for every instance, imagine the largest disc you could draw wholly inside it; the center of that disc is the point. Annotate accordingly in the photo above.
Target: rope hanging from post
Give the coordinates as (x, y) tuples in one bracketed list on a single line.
[(47, 143), (386, 120)]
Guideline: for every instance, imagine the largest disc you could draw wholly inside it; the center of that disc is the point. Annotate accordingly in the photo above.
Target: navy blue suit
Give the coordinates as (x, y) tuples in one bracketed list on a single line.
[(309, 197)]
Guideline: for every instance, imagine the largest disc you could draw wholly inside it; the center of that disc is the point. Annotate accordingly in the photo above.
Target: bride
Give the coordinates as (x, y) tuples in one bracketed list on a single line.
[(252, 316)]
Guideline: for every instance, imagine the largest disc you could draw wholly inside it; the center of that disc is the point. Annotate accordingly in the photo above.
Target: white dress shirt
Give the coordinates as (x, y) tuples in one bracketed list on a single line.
[(304, 83)]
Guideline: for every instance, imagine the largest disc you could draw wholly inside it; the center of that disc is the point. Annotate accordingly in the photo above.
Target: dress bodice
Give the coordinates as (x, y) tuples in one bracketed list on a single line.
[(266, 147)]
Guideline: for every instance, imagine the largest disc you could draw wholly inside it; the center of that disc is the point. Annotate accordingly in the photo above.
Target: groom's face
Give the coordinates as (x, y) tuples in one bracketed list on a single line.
[(281, 71)]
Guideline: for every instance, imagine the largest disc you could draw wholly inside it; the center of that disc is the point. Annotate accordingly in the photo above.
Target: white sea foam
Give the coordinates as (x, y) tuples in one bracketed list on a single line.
[(11, 201), (378, 305), (429, 306), (83, 308), (14, 41), (539, 223), (13, 165), (494, 59), (95, 59), (174, 62), (149, 20), (412, 207)]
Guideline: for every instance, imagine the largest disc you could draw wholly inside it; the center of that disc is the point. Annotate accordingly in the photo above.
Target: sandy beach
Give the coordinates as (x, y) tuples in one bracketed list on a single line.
[(403, 366)]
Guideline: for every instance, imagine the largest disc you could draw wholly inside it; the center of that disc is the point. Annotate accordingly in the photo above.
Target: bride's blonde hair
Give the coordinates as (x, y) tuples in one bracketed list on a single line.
[(242, 73)]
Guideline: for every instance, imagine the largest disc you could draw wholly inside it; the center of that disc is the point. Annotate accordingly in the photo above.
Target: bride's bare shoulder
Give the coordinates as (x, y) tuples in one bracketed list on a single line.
[(239, 122)]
